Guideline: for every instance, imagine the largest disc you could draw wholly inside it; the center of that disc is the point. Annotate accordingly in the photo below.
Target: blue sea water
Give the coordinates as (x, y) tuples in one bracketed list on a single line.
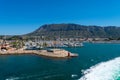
[(95, 62)]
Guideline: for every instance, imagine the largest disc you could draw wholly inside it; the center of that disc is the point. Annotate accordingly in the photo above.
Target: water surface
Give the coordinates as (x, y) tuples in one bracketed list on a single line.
[(33, 67)]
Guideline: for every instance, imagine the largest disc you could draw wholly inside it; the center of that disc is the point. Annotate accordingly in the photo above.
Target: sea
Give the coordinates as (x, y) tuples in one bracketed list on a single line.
[(96, 61)]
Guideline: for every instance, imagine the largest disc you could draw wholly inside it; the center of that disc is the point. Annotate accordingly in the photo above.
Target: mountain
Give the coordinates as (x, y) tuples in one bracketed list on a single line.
[(75, 30)]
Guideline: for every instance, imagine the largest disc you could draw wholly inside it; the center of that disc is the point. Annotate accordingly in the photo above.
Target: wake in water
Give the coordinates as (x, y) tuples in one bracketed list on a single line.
[(109, 70)]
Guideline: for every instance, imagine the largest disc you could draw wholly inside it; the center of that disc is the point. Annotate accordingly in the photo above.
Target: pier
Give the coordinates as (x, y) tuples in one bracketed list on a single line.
[(55, 53)]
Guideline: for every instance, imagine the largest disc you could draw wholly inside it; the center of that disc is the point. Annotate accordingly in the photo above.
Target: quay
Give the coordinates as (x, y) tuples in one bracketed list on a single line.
[(55, 53)]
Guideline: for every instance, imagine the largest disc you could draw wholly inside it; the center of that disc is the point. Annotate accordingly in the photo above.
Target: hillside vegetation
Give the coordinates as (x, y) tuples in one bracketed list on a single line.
[(75, 31)]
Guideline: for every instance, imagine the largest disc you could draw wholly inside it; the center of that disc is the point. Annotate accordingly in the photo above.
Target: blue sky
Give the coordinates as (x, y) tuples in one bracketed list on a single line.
[(24, 16)]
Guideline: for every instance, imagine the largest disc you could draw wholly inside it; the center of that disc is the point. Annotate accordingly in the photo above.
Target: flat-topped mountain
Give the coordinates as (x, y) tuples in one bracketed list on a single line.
[(75, 30)]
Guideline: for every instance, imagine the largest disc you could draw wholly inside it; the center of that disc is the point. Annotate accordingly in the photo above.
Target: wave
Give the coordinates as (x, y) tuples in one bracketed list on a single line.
[(13, 78), (74, 75), (38, 76), (109, 70)]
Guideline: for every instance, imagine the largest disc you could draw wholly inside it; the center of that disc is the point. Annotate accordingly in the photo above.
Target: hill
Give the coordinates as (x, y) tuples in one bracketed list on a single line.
[(75, 30)]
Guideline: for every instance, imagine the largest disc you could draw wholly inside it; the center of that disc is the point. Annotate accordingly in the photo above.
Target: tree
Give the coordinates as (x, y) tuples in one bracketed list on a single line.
[(45, 44), (118, 38), (15, 38), (17, 44)]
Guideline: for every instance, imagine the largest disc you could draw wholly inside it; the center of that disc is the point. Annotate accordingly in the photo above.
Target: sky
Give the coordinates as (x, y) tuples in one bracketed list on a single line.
[(24, 16)]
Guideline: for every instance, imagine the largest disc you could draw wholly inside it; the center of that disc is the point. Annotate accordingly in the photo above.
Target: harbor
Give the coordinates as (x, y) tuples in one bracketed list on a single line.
[(33, 67), (41, 48)]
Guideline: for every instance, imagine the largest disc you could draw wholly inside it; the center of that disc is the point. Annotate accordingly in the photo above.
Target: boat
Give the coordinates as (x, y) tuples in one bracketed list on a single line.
[(78, 45)]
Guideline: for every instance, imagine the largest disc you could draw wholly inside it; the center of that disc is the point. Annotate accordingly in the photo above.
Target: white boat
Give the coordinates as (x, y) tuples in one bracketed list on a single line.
[(78, 45)]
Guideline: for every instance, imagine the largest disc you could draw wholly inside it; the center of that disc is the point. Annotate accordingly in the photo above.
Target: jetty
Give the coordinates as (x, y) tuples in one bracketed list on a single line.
[(55, 53), (17, 47)]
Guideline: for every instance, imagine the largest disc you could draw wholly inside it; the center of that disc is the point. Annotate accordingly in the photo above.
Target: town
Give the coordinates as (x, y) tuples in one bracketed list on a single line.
[(18, 45), (8, 43)]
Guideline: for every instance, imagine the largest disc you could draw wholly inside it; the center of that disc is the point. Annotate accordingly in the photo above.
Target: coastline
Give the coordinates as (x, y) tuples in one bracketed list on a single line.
[(57, 53)]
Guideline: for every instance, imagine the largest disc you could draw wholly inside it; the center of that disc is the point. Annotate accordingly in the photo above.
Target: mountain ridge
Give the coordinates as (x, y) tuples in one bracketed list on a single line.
[(76, 30)]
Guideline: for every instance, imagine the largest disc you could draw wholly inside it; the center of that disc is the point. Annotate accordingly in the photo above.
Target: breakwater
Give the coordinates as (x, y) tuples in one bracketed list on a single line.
[(57, 53)]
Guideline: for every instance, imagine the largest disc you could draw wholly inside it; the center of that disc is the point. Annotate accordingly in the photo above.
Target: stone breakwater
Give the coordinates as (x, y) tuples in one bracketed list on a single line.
[(57, 53)]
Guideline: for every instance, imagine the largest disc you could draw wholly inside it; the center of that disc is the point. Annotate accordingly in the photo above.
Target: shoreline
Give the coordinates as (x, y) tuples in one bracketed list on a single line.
[(57, 53)]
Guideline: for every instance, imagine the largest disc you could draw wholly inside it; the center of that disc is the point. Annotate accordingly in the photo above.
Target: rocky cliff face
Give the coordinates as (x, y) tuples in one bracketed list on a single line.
[(75, 30)]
